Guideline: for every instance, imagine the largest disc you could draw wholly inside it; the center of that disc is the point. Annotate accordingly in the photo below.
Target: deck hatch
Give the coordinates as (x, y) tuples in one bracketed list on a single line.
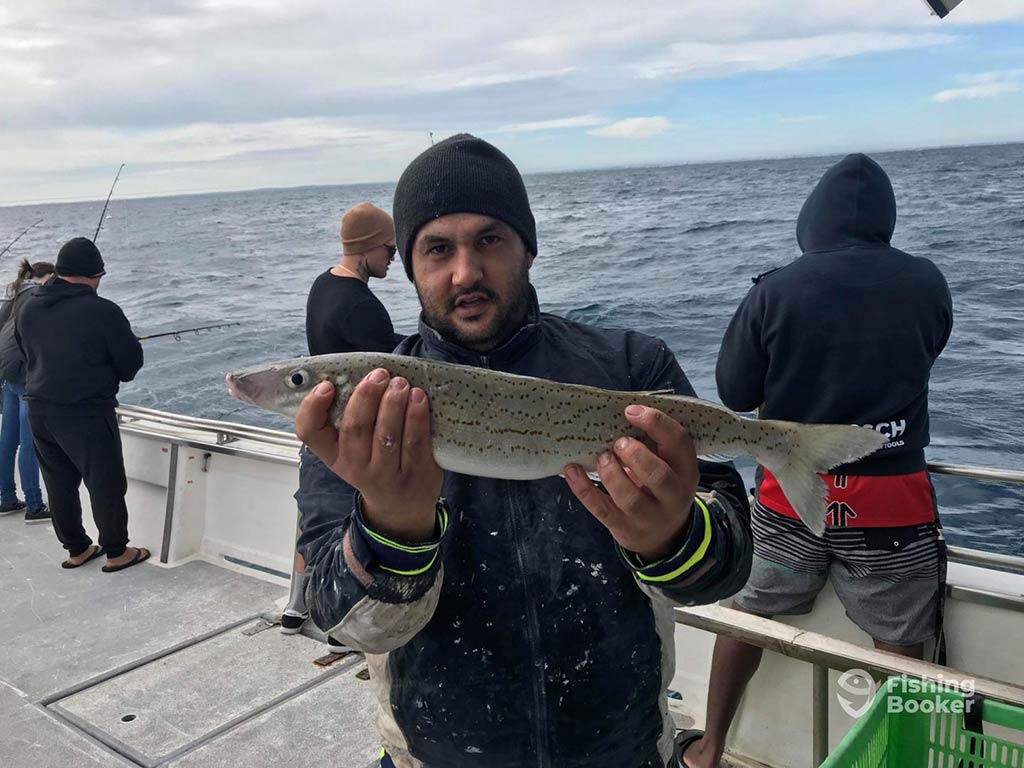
[(172, 704)]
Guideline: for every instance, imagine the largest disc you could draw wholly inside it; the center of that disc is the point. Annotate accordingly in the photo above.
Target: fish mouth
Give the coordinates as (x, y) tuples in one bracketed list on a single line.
[(234, 389), (247, 387)]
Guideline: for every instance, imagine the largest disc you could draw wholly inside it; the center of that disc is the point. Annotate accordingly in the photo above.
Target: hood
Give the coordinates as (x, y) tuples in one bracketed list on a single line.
[(60, 290), (853, 204)]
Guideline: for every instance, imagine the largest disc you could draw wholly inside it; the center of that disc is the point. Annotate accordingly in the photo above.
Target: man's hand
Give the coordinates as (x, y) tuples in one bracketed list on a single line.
[(650, 493), (382, 449)]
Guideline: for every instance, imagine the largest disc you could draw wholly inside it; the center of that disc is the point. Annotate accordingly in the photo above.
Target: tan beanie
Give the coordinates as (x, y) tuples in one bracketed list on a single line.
[(365, 226)]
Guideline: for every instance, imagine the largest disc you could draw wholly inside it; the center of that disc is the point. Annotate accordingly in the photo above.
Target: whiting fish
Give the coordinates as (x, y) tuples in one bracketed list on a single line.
[(501, 425)]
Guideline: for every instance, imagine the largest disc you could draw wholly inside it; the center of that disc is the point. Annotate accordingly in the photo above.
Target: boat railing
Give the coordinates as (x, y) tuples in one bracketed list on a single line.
[(241, 440), (825, 653)]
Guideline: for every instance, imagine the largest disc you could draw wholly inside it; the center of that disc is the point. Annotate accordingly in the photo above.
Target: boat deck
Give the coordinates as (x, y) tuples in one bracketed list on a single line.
[(157, 666)]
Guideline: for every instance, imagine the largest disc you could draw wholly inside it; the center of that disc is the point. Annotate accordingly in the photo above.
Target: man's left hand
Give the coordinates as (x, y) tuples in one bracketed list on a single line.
[(650, 493)]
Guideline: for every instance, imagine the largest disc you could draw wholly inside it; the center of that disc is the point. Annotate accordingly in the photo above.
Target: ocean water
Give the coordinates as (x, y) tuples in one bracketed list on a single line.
[(669, 251)]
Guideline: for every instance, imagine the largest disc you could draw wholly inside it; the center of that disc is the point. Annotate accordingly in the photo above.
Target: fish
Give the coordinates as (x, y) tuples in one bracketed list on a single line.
[(506, 426)]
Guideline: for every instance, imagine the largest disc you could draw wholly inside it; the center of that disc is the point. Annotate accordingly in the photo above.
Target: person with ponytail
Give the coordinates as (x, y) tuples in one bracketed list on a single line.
[(14, 427)]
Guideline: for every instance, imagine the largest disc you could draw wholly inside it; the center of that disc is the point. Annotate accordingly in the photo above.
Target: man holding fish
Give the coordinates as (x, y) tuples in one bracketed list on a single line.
[(511, 616)]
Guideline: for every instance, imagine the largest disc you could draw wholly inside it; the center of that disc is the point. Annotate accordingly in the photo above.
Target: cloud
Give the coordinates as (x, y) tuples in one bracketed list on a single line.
[(633, 128), (984, 85), (579, 121), (215, 81), (701, 60)]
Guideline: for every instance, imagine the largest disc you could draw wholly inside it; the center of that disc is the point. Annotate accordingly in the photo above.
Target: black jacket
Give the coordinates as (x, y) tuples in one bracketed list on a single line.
[(522, 636), (78, 346), (848, 332), (12, 361)]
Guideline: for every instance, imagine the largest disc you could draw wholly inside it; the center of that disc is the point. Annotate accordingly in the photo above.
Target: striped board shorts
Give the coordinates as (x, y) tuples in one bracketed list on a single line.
[(890, 580)]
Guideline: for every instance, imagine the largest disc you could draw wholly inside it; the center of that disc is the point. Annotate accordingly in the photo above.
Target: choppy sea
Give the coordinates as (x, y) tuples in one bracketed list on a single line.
[(667, 250)]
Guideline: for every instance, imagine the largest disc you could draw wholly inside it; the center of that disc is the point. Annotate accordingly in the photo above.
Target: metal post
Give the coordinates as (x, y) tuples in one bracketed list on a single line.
[(172, 484), (819, 706)]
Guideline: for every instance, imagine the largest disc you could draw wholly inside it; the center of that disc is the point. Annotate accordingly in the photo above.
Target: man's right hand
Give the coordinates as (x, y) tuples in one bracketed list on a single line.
[(382, 448)]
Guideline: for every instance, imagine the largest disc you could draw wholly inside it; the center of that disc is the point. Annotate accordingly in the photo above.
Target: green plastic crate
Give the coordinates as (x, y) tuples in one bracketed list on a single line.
[(924, 737)]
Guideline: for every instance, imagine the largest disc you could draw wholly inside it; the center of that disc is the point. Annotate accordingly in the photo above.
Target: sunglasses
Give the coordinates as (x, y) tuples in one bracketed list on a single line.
[(392, 249)]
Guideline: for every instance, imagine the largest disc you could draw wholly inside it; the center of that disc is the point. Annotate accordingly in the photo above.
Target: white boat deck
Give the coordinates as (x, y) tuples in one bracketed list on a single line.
[(156, 665), (152, 666)]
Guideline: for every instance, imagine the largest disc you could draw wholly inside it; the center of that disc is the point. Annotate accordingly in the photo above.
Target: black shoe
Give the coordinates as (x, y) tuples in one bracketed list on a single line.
[(41, 515), (292, 624), (334, 645), (6, 509)]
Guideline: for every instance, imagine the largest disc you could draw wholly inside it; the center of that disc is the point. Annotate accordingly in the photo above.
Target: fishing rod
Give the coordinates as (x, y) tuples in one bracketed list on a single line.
[(177, 334), (98, 226), (23, 233)]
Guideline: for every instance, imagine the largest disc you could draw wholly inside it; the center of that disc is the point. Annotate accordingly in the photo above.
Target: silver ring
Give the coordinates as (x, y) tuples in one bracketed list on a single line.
[(387, 441)]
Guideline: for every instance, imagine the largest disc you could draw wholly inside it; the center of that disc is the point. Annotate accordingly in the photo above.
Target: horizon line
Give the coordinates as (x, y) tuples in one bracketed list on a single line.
[(587, 169)]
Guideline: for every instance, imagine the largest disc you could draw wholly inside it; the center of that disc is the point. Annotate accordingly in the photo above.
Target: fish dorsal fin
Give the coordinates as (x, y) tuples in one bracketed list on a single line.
[(661, 392)]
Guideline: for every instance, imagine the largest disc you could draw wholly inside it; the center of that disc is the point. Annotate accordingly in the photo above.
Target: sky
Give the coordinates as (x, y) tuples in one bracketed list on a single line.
[(205, 95)]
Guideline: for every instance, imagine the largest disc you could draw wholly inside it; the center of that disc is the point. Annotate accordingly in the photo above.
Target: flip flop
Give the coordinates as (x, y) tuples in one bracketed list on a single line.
[(141, 555), (685, 739), (96, 553)]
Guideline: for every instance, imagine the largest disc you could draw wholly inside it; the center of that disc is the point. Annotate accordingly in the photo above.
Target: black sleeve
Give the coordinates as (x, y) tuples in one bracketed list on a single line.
[(945, 324), (718, 545), (660, 369), (5, 311), (123, 345), (742, 359)]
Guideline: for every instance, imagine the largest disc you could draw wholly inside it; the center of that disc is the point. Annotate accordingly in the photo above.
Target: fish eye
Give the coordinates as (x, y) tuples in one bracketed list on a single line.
[(297, 378)]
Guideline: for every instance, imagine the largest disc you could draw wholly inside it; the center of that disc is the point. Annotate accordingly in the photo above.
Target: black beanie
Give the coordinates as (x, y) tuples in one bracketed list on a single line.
[(79, 257), (462, 174)]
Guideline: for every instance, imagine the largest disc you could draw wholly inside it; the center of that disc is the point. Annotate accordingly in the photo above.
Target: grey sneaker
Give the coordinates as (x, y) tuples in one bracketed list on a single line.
[(41, 515)]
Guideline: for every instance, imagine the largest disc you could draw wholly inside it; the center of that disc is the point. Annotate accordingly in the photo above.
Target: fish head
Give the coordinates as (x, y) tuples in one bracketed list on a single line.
[(281, 387)]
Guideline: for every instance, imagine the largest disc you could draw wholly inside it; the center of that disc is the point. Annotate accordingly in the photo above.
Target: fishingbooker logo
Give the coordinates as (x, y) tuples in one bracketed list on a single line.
[(891, 429), (857, 689)]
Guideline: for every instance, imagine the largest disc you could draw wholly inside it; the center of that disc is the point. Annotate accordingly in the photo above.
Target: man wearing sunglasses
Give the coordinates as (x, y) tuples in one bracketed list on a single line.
[(342, 314)]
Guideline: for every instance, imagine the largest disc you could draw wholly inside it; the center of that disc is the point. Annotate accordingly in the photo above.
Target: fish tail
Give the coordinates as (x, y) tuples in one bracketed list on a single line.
[(808, 450)]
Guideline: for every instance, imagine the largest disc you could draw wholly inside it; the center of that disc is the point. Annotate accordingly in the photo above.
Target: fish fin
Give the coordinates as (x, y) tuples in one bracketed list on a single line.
[(815, 449), (720, 458), (656, 392)]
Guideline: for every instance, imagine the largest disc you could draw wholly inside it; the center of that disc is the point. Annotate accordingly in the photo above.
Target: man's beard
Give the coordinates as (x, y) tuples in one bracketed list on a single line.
[(508, 318)]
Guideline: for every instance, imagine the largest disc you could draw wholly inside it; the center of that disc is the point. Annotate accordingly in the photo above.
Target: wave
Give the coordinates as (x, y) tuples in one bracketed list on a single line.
[(710, 226)]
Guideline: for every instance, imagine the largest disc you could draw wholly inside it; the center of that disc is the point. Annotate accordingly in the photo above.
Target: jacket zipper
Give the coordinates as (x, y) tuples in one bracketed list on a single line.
[(532, 629), (533, 635)]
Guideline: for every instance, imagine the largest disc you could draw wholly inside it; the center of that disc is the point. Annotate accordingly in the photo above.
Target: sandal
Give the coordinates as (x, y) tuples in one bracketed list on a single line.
[(685, 739), (141, 555), (97, 551)]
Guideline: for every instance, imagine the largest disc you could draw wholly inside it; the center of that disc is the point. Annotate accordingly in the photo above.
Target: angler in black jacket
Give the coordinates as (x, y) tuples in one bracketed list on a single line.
[(509, 623), (846, 333), (78, 347)]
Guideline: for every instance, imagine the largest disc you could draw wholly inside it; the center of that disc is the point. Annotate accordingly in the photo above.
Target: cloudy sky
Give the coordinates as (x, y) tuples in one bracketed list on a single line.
[(198, 95)]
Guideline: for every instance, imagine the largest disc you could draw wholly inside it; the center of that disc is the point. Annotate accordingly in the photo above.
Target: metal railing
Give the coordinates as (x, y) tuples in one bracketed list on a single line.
[(240, 439), (826, 653), (209, 434), (821, 651)]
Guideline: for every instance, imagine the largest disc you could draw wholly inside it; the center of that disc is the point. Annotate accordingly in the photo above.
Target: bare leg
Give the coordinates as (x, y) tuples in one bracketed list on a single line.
[(733, 664), (911, 651)]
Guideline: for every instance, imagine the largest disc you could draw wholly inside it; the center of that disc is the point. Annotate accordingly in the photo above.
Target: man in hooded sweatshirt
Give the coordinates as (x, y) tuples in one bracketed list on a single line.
[(78, 347), (847, 333)]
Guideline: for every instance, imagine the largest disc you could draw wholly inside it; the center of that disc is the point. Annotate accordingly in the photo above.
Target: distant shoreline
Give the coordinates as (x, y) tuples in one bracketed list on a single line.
[(552, 172)]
